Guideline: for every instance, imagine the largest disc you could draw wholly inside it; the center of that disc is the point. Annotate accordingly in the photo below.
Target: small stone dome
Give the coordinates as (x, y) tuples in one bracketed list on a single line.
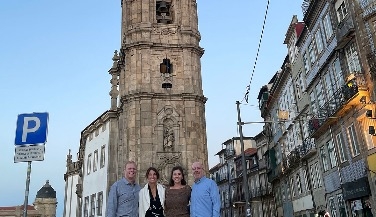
[(46, 191)]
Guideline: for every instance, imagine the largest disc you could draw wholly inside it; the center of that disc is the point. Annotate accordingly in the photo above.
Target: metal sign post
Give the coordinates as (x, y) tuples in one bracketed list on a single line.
[(27, 189), (31, 132)]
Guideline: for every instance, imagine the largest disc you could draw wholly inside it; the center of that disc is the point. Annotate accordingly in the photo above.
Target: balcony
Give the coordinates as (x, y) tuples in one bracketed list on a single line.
[(368, 7), (350, 94), (308, 148), (263, 102), (294, 157), (291, 160), (345, 30), (229, 153)]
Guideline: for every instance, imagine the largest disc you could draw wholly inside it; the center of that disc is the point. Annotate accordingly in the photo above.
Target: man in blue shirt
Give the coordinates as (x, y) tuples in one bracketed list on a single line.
[(205, 200), (123, 196)]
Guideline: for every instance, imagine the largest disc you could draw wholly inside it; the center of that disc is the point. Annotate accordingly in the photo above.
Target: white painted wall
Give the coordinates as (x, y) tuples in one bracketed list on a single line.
[(71, 202), (303, 203), (97, 180)]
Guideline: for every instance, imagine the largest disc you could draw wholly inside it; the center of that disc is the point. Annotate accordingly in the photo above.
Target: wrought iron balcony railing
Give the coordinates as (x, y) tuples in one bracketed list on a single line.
[(350, 94), (308, 148), (344, 30), (368, 7)]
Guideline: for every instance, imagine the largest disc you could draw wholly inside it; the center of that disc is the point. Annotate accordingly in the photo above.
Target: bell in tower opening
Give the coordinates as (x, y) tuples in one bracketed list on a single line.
[(163, 11)]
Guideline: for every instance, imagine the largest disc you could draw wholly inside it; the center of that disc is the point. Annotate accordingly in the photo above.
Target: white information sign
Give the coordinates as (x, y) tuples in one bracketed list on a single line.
[(29, 153)]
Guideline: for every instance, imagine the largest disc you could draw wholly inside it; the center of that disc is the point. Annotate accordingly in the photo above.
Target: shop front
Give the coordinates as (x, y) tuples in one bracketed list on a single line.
[(357, 196)]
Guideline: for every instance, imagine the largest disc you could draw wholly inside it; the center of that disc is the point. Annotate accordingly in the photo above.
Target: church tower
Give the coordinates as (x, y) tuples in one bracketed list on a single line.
[(157, 89), (45, 201)]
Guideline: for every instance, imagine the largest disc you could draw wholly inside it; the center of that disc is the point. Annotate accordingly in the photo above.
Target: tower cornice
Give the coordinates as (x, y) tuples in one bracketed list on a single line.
[(159, 46), (183, 96)]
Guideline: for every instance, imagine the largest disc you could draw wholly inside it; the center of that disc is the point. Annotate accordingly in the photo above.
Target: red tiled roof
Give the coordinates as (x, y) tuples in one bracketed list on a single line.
[(29, 207), (250, 151)]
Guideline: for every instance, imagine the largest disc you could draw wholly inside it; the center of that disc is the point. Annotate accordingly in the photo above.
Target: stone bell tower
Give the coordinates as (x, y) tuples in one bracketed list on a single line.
[(157, 86)]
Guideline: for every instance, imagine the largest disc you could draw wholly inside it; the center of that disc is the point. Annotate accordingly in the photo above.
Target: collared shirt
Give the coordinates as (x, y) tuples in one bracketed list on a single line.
[(123, 199), (205, 200)]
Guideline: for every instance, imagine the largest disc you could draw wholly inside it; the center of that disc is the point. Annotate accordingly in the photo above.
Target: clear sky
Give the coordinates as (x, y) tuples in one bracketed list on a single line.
[(55, 56)]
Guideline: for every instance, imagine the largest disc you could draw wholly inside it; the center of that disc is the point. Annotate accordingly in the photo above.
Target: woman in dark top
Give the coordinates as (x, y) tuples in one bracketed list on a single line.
[(178, 195), (152, 196)]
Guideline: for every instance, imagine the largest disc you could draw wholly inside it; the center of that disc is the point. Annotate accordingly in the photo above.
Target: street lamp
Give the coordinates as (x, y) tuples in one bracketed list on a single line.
[(244, 166)]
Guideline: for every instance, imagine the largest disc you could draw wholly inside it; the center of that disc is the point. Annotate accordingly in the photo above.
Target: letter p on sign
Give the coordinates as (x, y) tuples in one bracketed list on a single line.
[(31, 129)]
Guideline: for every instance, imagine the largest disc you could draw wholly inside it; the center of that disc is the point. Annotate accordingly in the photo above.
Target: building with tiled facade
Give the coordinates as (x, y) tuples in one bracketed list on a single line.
[(226, 175), (325, 164), (319, 111)]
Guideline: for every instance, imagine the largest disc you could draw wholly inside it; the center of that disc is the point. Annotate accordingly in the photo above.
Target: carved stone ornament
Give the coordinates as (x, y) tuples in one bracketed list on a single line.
[(167, 162)]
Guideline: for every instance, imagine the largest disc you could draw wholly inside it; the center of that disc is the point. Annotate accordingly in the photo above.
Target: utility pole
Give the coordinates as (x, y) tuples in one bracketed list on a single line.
[(244, 166)]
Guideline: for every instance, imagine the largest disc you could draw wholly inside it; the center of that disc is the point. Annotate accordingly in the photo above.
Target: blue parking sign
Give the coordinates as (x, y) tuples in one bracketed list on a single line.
[(31, 129)]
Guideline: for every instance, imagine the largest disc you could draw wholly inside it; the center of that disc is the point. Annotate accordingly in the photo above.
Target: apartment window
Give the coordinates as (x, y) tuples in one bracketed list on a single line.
[(95, 161), (292, 49), (104, 127), (307, 65), (324, 159), (298, 184), (313, 103), (100, 203), (353, 140), (88, 164), (292, 184), (337, 72), (328, 85), (328, 30), (352, 58), (103, 156), (283, 192), (312, 52), (341, 205), (288, 194), (332, 153), (332, 205), (252, 187), (299, 84), (305, 177), (341, 147), (318, 177), (320, 94), (92, 205), (341, 11), (319, 42), (86, 207), (313, 176)]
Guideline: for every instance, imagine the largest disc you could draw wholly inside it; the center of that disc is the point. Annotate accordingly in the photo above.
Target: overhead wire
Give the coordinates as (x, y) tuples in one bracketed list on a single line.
[(257, 53)]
